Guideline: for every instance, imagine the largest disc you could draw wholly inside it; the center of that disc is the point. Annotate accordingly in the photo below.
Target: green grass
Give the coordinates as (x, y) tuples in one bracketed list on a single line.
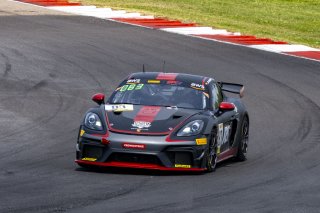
[(295, 21)]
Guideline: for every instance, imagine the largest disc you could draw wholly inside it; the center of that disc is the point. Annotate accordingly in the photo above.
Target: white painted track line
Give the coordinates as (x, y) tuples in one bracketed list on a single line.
[(73, 8), (283, 48), (98, 12), (196, 31)]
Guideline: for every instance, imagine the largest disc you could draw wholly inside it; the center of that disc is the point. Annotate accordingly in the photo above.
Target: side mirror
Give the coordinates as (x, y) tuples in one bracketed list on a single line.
[(226, 106), (98, 98)]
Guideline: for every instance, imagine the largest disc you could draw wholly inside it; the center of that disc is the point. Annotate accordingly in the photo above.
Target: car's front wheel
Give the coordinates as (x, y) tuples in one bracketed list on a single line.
[(212, 157)]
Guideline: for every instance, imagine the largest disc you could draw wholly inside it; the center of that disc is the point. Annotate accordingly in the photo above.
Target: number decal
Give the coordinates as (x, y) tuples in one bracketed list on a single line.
[(220, 134), (224, 132), (139, 86), (131, 87), (124, 88)]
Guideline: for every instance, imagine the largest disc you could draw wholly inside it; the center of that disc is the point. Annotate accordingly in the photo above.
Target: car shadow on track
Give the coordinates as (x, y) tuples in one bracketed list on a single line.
[(148, 172)]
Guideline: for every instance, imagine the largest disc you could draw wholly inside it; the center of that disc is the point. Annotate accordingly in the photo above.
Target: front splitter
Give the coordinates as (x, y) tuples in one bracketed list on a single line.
[(136, 166)]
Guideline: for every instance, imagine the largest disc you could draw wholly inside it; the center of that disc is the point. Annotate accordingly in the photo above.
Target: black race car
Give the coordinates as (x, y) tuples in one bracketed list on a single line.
[(165, 121)]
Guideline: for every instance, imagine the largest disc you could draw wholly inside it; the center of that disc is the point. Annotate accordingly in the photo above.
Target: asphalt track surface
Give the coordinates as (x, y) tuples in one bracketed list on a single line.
[(51, 64)]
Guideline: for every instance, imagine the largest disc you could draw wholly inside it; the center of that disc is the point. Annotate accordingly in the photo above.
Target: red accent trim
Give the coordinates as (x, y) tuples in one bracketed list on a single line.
[(168, 139), (132, 132), (139, 133), (228, 154), (136, 166), (203, 82), (105, 141), (101, 135), (133, 146), (104, 137), (147, 113), (167, 76)]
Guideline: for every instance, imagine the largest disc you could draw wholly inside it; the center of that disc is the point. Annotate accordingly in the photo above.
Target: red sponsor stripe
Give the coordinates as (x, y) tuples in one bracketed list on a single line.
[(137, 166), (147, 113), (167, 76), (133, 146)]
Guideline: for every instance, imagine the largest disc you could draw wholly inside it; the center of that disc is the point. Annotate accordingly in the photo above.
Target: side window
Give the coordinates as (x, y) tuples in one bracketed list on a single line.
[(216, 96)]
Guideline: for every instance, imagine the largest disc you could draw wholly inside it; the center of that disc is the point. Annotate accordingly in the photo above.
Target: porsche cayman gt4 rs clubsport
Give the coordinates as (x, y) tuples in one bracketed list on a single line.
[(165, 121)]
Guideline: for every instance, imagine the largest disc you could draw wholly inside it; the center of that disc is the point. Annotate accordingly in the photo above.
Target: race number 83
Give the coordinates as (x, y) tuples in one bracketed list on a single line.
[(131, 87)]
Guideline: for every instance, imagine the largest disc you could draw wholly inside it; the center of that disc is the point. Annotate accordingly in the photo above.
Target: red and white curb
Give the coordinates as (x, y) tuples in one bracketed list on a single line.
[(174, 26)]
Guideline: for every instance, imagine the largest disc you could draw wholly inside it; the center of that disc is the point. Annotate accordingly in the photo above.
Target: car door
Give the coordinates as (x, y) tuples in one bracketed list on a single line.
[(225, 120)]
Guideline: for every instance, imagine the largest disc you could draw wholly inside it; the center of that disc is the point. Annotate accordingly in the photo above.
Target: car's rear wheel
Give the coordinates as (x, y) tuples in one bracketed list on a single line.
[(243, 144), (212, 158)]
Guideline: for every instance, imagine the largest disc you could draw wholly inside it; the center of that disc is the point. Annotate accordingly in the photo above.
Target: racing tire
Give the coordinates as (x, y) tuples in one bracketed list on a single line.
[(212, 157), (243, 144)]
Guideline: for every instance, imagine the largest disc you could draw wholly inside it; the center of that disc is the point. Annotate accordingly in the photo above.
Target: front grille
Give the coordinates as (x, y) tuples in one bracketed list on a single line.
[(134, 158), (183, 158), (92, 151), (180, 157)]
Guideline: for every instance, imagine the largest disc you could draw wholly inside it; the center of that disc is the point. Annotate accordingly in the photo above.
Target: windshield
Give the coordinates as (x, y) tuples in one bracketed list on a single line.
[(160, 95)]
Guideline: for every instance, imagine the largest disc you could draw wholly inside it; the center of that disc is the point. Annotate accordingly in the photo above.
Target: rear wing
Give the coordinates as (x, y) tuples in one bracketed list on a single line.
[(232, 88)]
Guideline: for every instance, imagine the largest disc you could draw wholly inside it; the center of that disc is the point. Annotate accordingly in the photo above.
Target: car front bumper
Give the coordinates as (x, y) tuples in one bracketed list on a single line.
[(140, 152)]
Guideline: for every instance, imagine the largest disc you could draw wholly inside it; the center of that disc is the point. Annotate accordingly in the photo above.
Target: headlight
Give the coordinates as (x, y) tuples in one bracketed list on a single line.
[(92, 121), (192, 128)]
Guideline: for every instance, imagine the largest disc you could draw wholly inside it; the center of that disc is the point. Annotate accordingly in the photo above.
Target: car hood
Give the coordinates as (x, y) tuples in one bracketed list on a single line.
[(147, 120)]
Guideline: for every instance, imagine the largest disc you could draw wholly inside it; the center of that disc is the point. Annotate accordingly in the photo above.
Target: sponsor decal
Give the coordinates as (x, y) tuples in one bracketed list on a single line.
[(201, 141), (144, 117), (119, 107), (197, 86), (206, 94), (133, 81), (182, 166), (208, 81), (89, 159), (82, 132), (153, 81), (224, 132), (141, 124), (133, 146), (130, 87)]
